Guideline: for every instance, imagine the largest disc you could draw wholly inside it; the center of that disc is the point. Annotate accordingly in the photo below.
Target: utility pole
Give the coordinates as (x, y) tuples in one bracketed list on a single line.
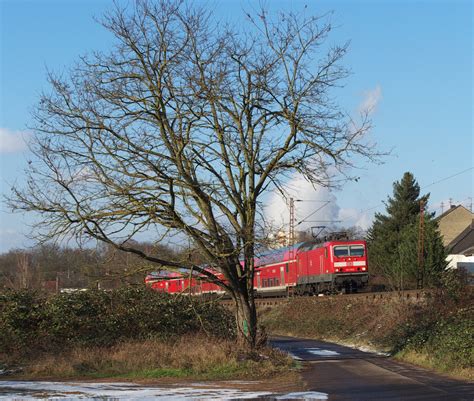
[(421, 245), (291, 234), (291, 238), (442, 207)]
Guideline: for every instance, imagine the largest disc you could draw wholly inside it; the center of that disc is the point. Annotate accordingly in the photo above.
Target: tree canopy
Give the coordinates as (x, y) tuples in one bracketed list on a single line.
[(393, 238), (182, 127)]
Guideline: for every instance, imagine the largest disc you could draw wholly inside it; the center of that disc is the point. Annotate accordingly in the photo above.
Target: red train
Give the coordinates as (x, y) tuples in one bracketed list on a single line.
[(309, 268)]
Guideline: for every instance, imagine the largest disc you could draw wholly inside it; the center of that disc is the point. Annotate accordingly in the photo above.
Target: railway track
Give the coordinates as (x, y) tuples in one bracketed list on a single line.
[(408, 295)]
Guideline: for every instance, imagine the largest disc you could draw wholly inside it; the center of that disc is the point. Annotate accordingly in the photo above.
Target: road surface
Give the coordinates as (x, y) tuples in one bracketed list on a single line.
[(348, 374)]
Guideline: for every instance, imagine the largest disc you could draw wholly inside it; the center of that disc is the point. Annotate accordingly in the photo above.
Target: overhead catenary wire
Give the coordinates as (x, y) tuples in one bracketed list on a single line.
[(424, 187), (311, 214), (373, 207)]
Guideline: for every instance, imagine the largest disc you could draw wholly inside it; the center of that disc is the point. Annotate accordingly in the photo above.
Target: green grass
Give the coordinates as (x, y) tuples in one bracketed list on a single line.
[(425, 359), (156, 373)]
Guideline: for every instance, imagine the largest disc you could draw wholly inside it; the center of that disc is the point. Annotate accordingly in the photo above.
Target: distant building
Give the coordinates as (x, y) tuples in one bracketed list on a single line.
[(281, 239), (456, 226), (453, 222)]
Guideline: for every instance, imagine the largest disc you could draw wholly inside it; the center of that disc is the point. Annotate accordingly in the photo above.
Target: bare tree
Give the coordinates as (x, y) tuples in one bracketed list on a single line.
[(25, 272), (182, 127)]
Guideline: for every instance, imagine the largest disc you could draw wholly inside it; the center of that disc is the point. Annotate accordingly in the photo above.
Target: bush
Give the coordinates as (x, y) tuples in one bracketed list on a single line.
[(454, 283), (449, 341), (21, 319), (103, 318), (78, 318)]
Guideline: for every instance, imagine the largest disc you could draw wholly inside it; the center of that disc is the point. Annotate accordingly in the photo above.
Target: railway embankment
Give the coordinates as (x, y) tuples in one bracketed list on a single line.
[(431, 329)]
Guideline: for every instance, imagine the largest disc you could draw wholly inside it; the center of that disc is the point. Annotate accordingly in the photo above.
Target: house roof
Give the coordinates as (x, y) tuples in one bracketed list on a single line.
[(450, 210), (453, 222), (464, 242)]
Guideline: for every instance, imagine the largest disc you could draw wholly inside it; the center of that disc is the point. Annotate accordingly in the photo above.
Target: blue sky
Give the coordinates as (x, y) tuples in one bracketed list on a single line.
[(412, 59)]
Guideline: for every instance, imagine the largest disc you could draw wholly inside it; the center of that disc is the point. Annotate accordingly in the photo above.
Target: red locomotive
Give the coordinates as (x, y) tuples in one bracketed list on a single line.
[(309, 268)]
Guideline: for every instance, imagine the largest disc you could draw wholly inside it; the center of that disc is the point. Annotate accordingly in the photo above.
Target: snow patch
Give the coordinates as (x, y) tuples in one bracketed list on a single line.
[(321, 352), (365, 348), (26, 390), (308, 395), (296, 358)]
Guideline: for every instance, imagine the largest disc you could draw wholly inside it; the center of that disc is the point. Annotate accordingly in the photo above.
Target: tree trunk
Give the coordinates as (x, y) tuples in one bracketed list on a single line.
[(246, 321)]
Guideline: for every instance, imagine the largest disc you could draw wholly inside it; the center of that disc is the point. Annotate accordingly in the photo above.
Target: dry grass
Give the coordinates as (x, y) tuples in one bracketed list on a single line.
[(188, 356), (338, 317), (426, 360)]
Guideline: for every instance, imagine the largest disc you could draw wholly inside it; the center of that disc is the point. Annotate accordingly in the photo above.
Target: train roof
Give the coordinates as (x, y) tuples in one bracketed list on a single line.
[(163, 274), (184, 273), (310, 245), (275, 255)]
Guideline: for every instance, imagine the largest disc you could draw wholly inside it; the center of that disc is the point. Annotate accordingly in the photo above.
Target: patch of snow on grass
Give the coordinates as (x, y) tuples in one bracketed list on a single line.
[(365, 348), (26, 390), (308, 395), (297, 358)]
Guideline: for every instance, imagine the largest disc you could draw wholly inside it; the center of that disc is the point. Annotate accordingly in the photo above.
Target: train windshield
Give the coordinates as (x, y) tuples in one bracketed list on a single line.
[(341, 251), (357, 250), (352, 250)]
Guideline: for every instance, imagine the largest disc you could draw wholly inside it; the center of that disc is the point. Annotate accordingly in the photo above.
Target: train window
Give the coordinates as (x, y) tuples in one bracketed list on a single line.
[(277, 282), (264, 282), (287, 268), (357, 250), (270, 282), (341, 251)]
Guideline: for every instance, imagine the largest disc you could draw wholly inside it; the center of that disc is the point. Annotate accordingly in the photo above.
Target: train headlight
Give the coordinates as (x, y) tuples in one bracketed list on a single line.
[(364, 268)]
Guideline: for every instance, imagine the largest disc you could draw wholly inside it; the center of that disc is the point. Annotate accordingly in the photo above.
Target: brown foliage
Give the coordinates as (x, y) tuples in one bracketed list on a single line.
[(194, 356)]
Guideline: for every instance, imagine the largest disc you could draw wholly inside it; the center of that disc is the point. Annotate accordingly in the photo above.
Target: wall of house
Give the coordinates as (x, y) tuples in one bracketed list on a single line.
[(454, 260), (451, 225)]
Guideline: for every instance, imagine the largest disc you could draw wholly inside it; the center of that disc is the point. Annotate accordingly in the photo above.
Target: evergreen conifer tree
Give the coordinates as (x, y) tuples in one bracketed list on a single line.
[(393, 239)]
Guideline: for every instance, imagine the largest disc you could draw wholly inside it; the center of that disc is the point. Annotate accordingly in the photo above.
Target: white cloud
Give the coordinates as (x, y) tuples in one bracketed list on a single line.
[(354, 218), (13, 141), (329, 214), (306, 211), (371, 99)]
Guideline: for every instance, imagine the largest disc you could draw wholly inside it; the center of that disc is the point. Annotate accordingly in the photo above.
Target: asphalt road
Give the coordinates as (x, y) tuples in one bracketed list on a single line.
[(348, 374)]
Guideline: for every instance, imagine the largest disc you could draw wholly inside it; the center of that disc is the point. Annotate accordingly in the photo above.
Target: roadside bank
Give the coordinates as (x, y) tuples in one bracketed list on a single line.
[(436, 332)]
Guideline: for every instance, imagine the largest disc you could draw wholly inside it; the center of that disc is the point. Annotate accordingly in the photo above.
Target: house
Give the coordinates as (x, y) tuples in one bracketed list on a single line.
[(453, 222), (457, 228)]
